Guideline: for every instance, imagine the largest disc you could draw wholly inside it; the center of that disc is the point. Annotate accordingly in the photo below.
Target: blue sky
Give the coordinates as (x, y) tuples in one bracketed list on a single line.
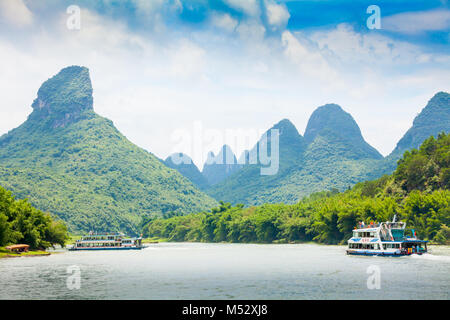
[(159, 67), (304, 14)]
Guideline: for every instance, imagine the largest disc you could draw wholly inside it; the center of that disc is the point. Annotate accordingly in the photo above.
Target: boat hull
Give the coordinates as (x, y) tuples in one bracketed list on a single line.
[(380, 254), (101, 248)]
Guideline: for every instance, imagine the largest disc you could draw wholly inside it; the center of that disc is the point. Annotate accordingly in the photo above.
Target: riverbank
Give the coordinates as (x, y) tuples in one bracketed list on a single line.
[(154, 240), (4, 253)]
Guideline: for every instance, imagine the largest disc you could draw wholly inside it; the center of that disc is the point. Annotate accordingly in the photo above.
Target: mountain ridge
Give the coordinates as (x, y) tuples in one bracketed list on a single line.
[(335, 156)]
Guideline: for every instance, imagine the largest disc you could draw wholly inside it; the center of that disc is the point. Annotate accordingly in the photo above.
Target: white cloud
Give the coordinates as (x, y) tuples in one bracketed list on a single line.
[(15, 12), (186, 59), (277, 14), (250, 7), (308, 59), (251, 30), (349, 46), (417, 22), (148, 7), (224, 21)]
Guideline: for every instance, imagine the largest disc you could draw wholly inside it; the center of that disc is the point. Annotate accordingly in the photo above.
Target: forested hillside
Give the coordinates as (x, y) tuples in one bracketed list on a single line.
[(418, 192), (71, 162)]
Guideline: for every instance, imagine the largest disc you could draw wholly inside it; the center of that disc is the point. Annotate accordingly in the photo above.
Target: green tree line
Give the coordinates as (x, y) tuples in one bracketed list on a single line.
[(418, 192), (22, 223)]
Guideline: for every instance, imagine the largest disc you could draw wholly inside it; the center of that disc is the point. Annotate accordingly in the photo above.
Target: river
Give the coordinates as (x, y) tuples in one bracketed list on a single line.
[(226, 271)]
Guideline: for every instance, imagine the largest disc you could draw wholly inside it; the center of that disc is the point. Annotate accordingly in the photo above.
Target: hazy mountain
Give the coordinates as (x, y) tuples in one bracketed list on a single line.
[(74, 163), (333, 154), (220, 166), (248, 185), (433, 119), (184, 165)]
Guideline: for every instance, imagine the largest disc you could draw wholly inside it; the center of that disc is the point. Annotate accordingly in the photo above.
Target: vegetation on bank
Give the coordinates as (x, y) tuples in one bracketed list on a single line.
[(5, 253), (22, 223), (418, 192), (154, 240)]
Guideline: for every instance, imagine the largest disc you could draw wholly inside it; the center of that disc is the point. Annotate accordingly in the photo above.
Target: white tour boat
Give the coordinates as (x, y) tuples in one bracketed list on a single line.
[(107, 241), (384, 239)]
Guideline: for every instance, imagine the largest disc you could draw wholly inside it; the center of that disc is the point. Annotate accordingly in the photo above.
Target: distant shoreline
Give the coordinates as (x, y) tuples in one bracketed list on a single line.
[(38, 253)]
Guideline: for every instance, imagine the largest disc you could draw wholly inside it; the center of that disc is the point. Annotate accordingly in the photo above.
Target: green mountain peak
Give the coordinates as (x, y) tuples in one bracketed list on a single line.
[(433, 119), (64, 98), (332, 124), (331, 118)]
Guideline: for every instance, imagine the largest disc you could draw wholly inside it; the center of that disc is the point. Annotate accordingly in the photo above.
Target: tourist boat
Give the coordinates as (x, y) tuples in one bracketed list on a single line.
[(384, 239), (107, 241)]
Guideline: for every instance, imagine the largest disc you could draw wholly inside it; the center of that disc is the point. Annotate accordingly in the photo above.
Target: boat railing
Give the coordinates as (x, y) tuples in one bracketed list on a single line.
[(368, 226)]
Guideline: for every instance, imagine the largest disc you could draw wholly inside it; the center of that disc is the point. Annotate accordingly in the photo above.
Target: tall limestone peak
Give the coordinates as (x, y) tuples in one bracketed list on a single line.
[(288, 133), (291, 144), (331, 124), (64, 98), (249, 184), (286, 127), (432, 120), (220, 166), (331, 118)]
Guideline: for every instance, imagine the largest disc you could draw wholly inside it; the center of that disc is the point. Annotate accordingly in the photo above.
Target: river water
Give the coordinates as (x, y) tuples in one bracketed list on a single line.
[(226, 271)]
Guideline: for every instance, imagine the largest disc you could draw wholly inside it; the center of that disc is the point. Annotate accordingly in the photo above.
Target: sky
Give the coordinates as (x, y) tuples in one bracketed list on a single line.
[(172, 73)]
